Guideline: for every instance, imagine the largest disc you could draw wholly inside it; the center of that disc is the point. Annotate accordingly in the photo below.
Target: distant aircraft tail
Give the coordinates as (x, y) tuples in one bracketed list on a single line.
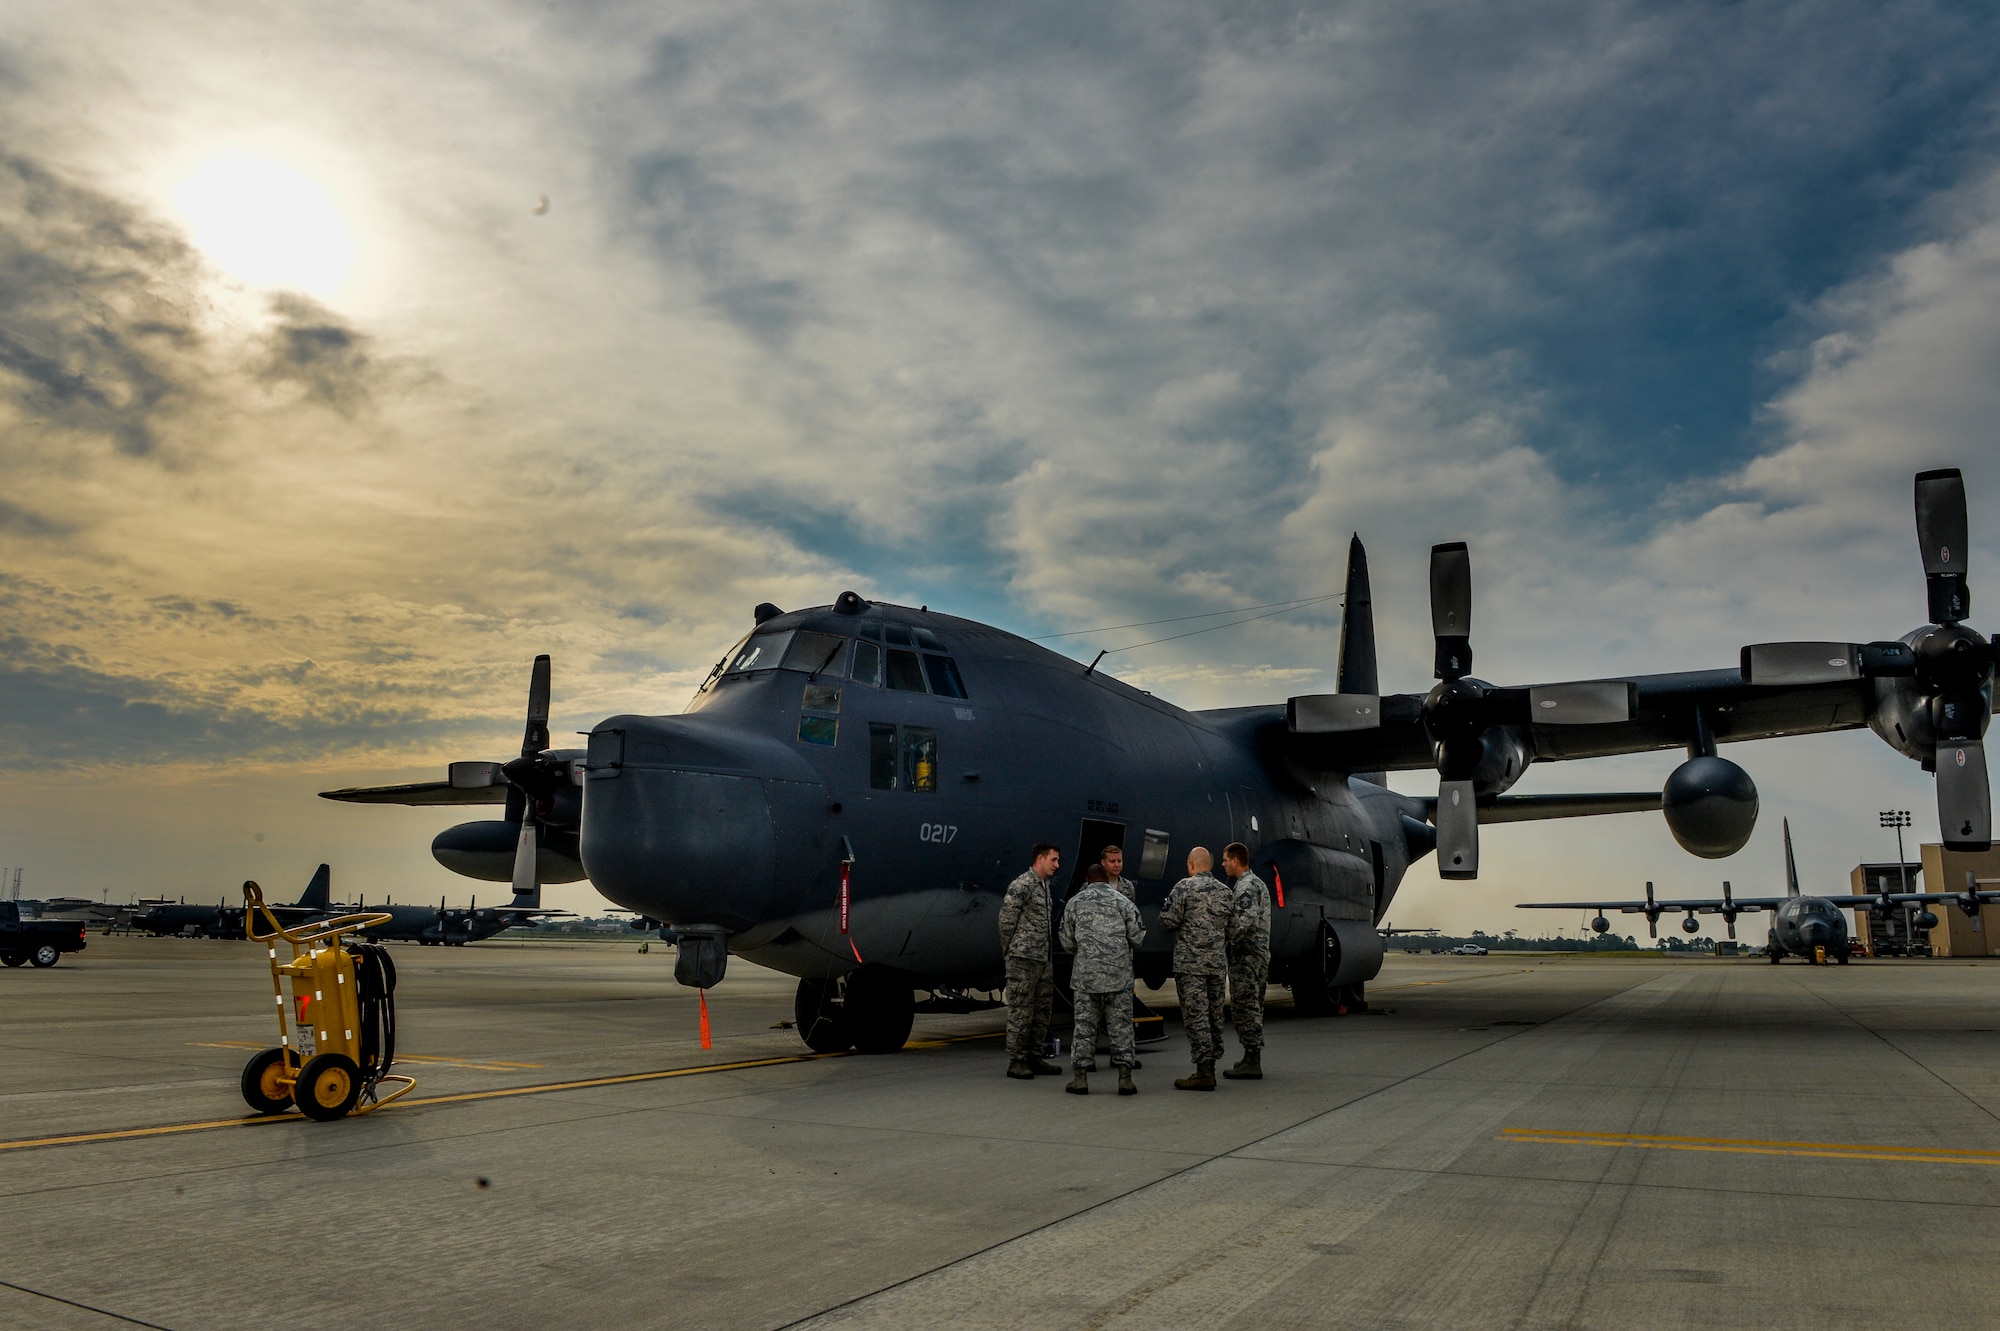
[(1791, 864), (1357, 673), (319, 892), (528, 900)]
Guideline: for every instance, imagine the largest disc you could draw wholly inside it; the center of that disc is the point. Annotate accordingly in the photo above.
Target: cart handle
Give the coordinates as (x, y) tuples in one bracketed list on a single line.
[(305, 935)]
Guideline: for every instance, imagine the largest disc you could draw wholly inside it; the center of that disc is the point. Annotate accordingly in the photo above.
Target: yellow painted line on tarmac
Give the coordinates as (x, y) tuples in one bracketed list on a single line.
[(1930, 1155), (498, 1093), (484, 1065), (1460, 979)]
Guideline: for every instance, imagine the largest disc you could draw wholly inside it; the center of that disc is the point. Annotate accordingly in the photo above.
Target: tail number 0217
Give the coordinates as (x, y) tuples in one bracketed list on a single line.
[(942, 834)]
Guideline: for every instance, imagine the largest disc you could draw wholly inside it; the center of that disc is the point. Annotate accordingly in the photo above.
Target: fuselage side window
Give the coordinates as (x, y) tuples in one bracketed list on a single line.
[(819, 653), (867, 664), (920, 759), (762, 652), (943, 672), (904, 672), (881, 756)]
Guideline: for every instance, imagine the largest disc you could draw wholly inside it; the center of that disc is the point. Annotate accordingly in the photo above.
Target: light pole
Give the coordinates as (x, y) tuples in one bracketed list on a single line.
[(1900, 819)]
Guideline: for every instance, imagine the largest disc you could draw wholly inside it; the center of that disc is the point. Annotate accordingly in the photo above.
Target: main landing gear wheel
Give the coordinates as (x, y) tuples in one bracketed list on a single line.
[(1773, 951), (1313, 992), (329, 1084), (822, 1020), (1841, 958), (45, 956), (14, 959), (881, 1007), (264, 1088)]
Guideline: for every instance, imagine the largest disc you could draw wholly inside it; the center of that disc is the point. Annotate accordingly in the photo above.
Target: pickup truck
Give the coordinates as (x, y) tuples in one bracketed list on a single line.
[(35, 942)]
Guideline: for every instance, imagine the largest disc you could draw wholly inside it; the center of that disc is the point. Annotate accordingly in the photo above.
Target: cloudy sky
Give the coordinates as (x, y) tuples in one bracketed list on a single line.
[(352, 354)]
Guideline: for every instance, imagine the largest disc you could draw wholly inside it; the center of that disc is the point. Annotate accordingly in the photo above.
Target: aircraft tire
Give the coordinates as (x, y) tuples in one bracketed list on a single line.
[(881, 1007), (262, 1089), (45, 956), (1312, 995), (327, 1088), (14, 959), (822, 1021), (1842, 959)]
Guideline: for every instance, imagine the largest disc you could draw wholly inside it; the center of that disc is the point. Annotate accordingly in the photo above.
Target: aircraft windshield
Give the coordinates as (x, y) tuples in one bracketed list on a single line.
[(762, 652)]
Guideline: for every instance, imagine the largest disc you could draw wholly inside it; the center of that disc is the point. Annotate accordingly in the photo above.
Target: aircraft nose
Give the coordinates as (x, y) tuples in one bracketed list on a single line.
[(677, 820), (1816, 933)]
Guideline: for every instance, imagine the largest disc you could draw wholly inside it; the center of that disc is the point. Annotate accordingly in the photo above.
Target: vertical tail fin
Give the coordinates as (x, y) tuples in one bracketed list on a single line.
[(1357, 672), (319, 892), (1357, 626), (528, 900), (1791, 865)]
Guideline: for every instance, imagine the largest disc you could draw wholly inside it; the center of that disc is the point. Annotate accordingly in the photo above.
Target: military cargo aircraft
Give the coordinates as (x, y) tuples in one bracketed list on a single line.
[(451, 926), (1801, 926), (851, 788), (225, 921)]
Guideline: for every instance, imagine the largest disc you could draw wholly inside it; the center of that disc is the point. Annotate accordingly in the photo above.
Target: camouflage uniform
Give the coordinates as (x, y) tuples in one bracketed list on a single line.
[(1125, 887), (1031, 988), (1103, 929), (1249, 958), (1197, 911)]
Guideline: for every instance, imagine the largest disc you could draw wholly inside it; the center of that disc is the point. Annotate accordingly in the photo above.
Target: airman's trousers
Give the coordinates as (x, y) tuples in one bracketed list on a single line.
[(1201, 1013), (1031, 992), (1247, 978), (1110, 1013)]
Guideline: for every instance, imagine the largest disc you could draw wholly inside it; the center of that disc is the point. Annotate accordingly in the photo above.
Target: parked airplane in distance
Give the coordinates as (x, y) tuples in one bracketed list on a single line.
[(1801, 925), (225, 921)]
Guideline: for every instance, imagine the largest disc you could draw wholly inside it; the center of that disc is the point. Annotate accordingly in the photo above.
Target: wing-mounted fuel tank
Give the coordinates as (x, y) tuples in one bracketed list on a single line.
[(1710, 805)]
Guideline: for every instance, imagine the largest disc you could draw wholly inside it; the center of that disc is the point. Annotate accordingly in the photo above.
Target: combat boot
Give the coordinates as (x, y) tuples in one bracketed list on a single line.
[(1079, 1084), (1018, 1069), (1041, 1067), (1202, 1080), (1125, 1086), (1249, 1068)]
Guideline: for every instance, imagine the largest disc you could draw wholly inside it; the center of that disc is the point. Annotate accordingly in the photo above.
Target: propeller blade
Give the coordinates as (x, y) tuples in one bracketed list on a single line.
[(1965, 803), (1333, 713), (536, 737), (1451, 609), (1943, 535), (524, 860), (1789, 664), (1458, 831), (1601, 702)]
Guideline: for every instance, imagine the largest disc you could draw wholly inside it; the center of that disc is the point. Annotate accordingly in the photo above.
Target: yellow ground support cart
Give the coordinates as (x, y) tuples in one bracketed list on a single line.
[(336, 1018)]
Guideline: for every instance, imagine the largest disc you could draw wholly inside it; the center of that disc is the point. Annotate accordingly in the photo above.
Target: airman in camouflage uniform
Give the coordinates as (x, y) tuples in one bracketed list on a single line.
[(1197, 911), (1249, 959), (1103, 930), (1031, 987), (1113, 860)]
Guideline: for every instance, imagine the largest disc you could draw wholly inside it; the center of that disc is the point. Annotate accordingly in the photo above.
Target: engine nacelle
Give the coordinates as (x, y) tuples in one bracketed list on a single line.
[(1711, 807), (485, 850)]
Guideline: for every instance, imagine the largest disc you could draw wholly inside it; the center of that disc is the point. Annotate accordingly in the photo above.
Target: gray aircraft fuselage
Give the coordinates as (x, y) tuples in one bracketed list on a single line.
[(737, 815), (1801, 924)]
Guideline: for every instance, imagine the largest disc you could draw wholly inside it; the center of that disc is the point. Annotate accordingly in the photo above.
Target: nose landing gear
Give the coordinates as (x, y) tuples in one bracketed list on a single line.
[(870, 1011)]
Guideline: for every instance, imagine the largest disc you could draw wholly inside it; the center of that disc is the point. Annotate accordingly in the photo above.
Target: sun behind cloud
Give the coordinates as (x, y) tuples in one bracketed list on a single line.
[(265, 221)]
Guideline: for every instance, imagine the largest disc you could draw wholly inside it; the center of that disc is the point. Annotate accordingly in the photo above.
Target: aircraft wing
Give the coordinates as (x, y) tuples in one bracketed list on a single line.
[(1661, 710), (1704, 906), (1532, 808), (419, 792)]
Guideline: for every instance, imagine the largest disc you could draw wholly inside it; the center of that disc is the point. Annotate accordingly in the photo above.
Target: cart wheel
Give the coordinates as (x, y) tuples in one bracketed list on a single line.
[(328, 1086), (264, 1088), (45, 956), (15, 958)]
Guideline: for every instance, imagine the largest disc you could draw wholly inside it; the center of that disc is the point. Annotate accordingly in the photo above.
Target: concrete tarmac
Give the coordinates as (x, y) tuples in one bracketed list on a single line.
[(1518, 1142)]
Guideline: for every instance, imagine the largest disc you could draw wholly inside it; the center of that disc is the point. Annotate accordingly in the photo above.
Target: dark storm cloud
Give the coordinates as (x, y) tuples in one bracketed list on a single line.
[(95, 333)]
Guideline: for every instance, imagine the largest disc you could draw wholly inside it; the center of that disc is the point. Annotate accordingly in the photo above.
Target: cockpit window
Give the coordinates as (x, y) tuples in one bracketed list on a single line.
[(868, 664), (943, 672), (904, 672), (818, 653), (898, 635), (762, 652), (871, 630), (928, 640)]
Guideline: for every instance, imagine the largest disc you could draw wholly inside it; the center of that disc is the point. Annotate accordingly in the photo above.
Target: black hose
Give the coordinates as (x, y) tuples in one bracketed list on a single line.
[(375, 989)]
